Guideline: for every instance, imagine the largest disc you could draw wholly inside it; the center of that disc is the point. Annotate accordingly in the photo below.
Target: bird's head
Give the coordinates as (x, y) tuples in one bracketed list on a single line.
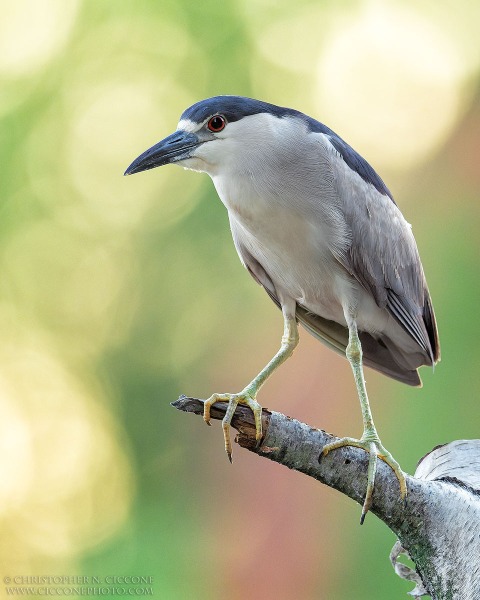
[(218, 131)]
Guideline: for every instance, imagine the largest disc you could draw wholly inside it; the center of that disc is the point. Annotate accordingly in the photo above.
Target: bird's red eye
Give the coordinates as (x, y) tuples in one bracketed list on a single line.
[(216, 123)]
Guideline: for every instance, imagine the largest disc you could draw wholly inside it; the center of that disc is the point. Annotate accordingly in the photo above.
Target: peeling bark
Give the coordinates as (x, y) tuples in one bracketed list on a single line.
[(438, 525)]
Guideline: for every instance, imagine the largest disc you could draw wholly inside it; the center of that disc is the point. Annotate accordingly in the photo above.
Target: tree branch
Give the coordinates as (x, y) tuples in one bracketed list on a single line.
[(438, 524)]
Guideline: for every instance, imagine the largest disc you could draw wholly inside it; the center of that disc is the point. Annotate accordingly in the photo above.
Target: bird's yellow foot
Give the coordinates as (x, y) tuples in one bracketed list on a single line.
[(372, 445), (244, 397)]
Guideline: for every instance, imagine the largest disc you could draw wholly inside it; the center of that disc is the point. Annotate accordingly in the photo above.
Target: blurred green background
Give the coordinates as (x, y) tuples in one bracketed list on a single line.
[(118, 294)]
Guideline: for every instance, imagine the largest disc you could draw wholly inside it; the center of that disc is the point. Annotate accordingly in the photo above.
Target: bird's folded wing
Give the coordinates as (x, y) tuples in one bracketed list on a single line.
[(335, 336), (382, 255), (376, 354)]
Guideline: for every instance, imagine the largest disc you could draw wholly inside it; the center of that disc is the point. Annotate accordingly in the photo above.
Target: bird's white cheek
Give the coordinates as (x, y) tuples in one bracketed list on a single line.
[(193, 164), (197, 162), (207, 157)]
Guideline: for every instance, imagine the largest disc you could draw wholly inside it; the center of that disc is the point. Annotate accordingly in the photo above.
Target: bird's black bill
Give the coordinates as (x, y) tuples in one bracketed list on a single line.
[(173, 148)]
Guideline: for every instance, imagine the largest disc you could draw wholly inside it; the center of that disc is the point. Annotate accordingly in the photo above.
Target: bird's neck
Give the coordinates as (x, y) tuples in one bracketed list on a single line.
[(243, 197)]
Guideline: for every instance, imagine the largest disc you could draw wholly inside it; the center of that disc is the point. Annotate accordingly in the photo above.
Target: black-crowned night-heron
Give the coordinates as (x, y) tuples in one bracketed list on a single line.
[(316, 226)]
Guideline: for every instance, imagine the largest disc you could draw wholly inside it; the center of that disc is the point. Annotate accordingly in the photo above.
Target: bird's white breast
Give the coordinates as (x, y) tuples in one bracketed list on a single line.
[(279, 185), (294, 250)]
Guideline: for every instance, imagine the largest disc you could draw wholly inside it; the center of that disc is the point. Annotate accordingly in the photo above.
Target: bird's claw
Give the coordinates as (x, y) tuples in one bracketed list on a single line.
[(244, 397), (374, 447)]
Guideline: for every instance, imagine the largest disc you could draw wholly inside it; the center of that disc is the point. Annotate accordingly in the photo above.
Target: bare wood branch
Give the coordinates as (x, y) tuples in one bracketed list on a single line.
[(438, 525)]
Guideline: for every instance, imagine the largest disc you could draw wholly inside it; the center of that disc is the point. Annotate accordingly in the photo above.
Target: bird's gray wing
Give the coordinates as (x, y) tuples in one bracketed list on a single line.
[(376, 353), (382, 254)]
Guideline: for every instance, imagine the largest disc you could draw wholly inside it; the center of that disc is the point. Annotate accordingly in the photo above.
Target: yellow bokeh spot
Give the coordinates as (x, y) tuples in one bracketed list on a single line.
[(393, 81), (59, 451), (390, 80), (32, 32)]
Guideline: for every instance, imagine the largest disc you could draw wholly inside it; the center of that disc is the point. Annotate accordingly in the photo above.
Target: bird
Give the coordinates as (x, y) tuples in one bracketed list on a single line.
[(316, 226)]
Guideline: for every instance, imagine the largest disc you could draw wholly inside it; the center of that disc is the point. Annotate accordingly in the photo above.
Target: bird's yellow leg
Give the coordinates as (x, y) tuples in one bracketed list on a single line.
[(370, 441), (248, 394)]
